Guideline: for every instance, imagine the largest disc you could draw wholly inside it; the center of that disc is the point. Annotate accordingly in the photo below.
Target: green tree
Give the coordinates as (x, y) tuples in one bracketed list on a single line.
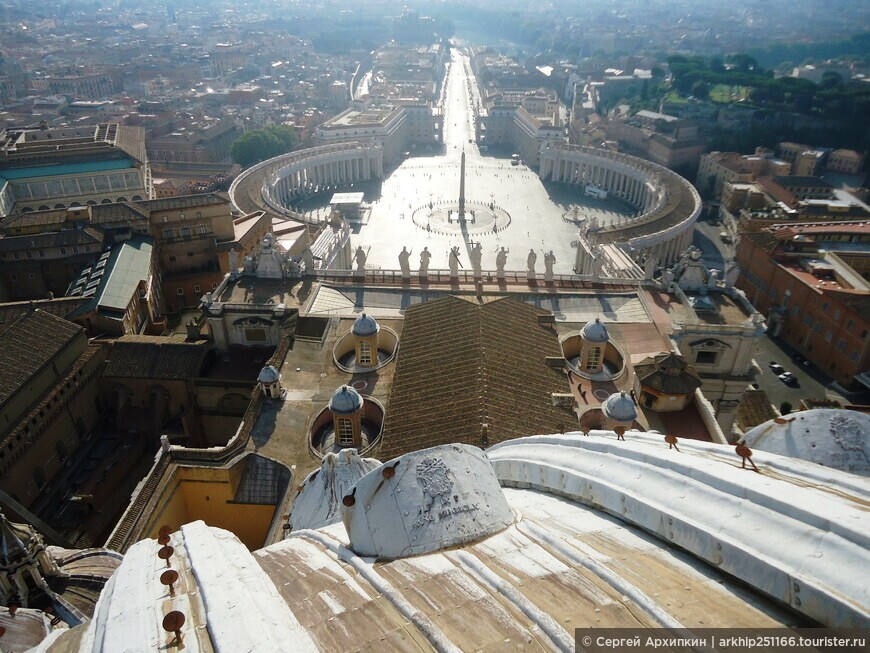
[(701, 90), (261, 144)]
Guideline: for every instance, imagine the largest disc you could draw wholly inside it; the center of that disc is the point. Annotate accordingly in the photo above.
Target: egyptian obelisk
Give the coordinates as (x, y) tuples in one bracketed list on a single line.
[(462, 185)]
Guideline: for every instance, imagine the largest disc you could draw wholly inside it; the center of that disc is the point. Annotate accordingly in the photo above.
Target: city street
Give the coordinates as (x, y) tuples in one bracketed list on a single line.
[(707, 239), (812, 384)]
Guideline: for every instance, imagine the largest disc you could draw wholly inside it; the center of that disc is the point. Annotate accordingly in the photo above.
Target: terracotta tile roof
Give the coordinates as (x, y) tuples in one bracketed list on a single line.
[(754, 409), (154, 357), (667, 373), (27, 344), (60, 306), (462, 365)]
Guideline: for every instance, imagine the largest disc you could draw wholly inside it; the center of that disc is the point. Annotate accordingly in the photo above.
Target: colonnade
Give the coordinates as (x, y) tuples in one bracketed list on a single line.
[(668, 251), (286, 177), (335, 170), (627, 184)]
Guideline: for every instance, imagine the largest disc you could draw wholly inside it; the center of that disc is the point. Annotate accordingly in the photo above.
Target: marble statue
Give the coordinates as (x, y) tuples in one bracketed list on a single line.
[(713, 279), (308, 261), (530, 264), (249, 265), (360, 258), (233, 258), (732, 272), (454, 262), (405, 263), (649, 267), (667, 278), (425, 257), (500, 262), (597, 263), (549, 261), (476, 258)]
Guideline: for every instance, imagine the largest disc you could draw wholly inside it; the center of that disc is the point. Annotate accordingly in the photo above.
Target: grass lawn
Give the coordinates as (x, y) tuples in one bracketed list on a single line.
[(725, 94)]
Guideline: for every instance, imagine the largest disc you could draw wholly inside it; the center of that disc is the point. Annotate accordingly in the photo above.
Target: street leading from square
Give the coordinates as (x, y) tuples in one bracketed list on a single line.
[(512, 206)]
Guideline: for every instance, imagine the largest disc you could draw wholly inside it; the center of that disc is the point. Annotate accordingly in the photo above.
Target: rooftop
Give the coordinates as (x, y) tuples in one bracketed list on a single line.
[(566, 563), (29, 343), (154, 357), (113, 280), (463, 370)]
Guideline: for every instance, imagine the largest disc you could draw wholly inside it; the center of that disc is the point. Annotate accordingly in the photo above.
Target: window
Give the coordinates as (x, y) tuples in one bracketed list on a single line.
[(196, 288), (13, 277), (172, 259), (706, 357), (167, 232), (345, 432), (255, 335), (179, 291), (849, 324), (185, 231), (593, 360), (837, 314), (63, 250), (829, 336), (795, 311), (202, 229), (190, 253), (818, 327), (825, 306), (365, 353), (841, 344)]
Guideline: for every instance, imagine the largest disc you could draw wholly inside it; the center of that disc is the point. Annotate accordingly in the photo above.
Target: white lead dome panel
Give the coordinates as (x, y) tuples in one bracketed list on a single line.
[(425, 501)]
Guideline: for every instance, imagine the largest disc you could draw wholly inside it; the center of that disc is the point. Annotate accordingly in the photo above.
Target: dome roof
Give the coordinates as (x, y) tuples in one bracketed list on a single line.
[(365, 325), (345, 401), (620, 407), (595, 332), (835, 438), (269, 374)]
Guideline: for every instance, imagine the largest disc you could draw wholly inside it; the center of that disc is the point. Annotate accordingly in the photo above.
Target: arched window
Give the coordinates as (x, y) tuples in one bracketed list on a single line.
[(365, 352), (344, 437), (593, 361)]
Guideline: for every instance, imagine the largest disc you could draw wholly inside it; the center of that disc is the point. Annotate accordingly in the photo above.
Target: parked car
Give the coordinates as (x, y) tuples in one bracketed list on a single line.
[(788, 378), (776, 368)]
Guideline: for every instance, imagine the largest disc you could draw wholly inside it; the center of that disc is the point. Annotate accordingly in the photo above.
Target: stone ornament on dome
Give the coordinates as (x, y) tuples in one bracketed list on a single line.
[(270, 382), (430, 500), (595, 331), (365, 325), (269, 374), (345, 401), (620, 407)]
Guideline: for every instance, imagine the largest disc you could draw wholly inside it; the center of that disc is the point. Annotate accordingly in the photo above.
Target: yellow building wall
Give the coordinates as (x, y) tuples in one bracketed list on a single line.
[(207, 494)]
